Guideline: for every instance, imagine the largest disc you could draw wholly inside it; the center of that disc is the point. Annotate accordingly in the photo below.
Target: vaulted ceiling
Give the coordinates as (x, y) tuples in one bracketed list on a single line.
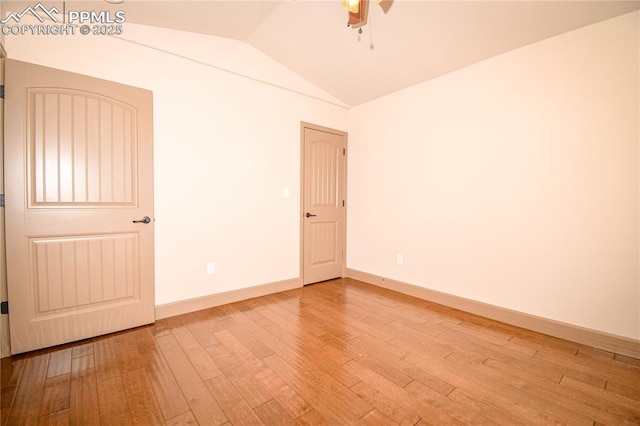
[(413, 42)]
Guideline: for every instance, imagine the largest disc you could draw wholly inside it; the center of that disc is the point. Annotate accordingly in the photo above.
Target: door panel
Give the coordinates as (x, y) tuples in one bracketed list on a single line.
[(79, 156), (71, 273), (82, 150), (324, 186)]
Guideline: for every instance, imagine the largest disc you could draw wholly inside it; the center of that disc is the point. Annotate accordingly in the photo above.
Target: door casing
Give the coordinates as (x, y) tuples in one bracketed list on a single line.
[(5, 349)]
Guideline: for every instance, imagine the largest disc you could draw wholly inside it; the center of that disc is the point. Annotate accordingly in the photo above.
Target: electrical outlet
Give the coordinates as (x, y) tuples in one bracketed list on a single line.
[(400, 259), (211, 268)]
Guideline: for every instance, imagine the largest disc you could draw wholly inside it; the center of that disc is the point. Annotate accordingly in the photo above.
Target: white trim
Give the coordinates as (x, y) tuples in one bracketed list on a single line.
[(199, 303), (597, 339)]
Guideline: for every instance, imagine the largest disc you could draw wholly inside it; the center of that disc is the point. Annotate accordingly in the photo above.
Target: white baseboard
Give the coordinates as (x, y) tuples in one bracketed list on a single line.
[(597, 339), (204, 302)]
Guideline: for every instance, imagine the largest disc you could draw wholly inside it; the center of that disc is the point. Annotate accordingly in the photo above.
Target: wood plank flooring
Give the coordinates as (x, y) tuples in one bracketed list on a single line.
[(335, 353)]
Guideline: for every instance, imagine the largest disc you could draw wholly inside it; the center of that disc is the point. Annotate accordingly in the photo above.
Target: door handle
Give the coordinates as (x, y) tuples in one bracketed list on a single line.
[(310, 215), (145, 219)]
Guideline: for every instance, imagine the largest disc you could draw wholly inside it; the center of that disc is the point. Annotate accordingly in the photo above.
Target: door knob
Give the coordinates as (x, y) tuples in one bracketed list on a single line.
[(310, 215), (145, 219)]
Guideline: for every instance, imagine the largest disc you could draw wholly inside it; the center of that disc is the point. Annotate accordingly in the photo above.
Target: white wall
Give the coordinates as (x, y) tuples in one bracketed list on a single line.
[(224, 147), (2, 12), (512, 182)]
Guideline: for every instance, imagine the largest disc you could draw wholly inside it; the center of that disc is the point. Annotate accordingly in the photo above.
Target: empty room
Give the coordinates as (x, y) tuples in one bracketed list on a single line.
[(320, 212)]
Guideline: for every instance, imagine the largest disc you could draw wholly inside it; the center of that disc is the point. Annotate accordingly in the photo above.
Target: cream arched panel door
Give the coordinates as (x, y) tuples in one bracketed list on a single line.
[(78, 173), (324, 165)]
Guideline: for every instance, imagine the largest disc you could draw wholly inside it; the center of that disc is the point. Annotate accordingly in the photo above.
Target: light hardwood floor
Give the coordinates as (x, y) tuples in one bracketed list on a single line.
[(339, 352)]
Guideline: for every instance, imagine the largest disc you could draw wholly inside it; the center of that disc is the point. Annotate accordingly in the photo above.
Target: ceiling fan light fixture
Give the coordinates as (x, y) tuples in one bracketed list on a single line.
[(115, 1), (351, 5)]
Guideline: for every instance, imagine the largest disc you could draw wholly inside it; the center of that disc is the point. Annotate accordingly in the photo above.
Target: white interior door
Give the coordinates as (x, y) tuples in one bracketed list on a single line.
[(78, 173), (323, 203)]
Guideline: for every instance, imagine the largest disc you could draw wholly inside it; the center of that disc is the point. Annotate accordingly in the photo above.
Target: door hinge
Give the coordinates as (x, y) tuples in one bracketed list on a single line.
[(4, 308), (1, 91), (344, 151), (1, 200), (342, 203)]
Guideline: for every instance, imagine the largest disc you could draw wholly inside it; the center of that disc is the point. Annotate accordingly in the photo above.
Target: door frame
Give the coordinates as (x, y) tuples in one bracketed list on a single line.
[(5, 346), (307, 125)]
